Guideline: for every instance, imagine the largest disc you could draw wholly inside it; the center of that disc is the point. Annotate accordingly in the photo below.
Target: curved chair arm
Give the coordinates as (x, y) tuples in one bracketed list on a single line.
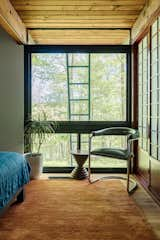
[(134, 136), (132, 133)]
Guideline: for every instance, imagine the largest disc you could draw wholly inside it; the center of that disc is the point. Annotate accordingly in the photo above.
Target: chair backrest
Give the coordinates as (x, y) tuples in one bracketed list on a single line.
[(133, 134)]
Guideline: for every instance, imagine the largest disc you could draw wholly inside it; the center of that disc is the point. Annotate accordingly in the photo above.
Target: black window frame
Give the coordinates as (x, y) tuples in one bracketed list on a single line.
[(78, 126)]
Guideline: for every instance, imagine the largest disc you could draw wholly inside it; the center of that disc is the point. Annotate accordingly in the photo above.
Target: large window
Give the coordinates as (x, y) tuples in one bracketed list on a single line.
[(149, 91), (155, 89), (81, 89), (79, 86), (143, 93)]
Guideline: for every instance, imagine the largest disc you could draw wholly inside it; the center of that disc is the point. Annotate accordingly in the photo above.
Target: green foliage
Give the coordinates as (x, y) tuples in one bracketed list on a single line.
[(39, 130)]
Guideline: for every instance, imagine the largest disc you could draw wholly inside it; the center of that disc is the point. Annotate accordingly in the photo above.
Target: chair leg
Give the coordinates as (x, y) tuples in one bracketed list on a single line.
[(134, 184), (128, 173), (89, 165), (89, 168)]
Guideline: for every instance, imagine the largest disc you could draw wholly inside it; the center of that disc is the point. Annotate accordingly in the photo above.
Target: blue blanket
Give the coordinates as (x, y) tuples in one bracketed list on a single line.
[(14, 173)]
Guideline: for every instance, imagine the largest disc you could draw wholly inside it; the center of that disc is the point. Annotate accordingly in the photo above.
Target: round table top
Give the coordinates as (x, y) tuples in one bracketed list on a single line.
[(80, 153)]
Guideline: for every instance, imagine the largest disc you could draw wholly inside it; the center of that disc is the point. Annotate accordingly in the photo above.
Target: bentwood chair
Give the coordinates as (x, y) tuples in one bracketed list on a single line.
[(122, 154)]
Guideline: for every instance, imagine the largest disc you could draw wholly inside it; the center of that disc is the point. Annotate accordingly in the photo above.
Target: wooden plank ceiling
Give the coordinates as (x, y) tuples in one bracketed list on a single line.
[(79, 21)]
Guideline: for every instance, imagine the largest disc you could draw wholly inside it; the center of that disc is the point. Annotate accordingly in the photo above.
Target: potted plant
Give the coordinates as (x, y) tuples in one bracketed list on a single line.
[(36, 133)]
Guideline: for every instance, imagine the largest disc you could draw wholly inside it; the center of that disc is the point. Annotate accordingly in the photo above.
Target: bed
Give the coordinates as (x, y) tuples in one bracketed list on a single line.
[(14, 174)]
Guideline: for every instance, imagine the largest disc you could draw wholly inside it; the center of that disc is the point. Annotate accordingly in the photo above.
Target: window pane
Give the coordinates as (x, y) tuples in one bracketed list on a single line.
[(78, 59), (154, 55), (79, 75), (145, 55), (154, 27), (102, 84), (143, 82), (78, 92), (145, 42), (154, 74), (154, 42), (108, 81), (154, 144), (154, 90), (49, 86), (79, 107), (56, 151), (154, 124)]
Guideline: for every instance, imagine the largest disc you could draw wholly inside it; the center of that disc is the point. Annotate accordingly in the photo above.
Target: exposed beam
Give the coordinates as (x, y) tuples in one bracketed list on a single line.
[(78, 25), (83, 19), (79, 36), (74, 6), (79, 41), (151, 8), (76, 13), (80, 33), (11, 22), (90, 3)]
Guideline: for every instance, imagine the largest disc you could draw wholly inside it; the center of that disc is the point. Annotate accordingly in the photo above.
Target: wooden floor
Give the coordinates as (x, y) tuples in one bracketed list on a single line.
[(142, 198)]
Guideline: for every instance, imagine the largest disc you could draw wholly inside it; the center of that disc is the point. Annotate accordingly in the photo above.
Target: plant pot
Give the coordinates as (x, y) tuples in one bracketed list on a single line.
[(36, 162)]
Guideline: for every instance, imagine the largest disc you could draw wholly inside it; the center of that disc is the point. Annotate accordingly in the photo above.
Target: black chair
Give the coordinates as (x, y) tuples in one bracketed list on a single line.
[(123, 154)]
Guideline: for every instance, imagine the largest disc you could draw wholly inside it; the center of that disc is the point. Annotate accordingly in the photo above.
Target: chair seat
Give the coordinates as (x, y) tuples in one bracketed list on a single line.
[(111, 152)]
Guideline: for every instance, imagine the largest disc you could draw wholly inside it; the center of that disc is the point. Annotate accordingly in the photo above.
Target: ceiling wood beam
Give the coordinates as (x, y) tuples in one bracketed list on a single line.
[(92, 3), (112, 7), (11, 22), (78, 25), (79, 41), (79, 18), (147, 15), (88, 36), (77, 13), (79, 32), (76, 19)]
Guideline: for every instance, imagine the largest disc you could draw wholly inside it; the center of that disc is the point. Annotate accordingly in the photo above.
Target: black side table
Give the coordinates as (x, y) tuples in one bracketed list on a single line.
[(79, 172)]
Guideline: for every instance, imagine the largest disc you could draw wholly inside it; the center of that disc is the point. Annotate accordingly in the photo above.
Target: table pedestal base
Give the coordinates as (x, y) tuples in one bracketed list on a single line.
[(79, 173)]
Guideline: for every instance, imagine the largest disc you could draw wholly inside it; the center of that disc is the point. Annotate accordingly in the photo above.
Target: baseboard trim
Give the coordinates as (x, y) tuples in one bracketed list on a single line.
[(94, 170)]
